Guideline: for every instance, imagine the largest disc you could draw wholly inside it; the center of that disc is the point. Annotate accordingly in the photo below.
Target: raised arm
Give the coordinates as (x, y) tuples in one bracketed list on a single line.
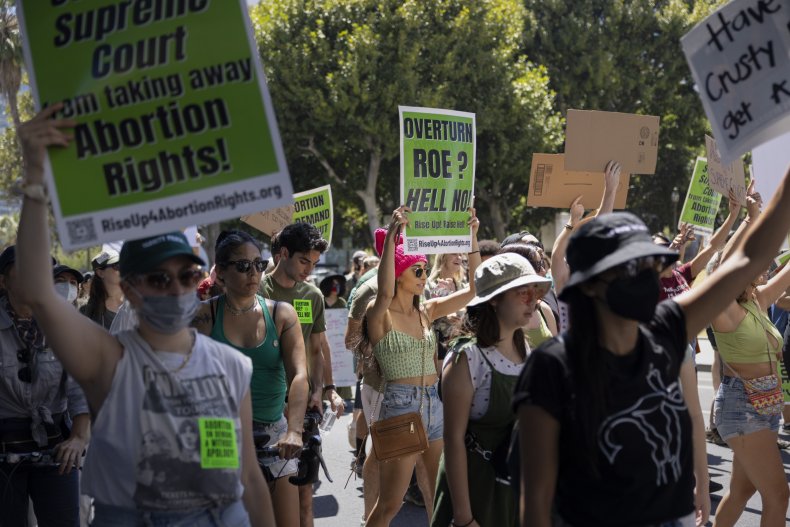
[(772, 291), (750, 257), (378, 318), (754, 203), (718, 240), (611, 180), (442, 306), (86, 350), (559, 267)]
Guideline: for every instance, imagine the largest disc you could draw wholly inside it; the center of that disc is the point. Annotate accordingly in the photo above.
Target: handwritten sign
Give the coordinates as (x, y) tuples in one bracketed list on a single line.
[(342, 359), (723, 178), (311, 206), (739, 59)]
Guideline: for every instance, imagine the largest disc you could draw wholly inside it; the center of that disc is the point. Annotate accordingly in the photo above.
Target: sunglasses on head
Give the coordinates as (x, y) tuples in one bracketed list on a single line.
[(244, 266), (24, 356), (161, 280)]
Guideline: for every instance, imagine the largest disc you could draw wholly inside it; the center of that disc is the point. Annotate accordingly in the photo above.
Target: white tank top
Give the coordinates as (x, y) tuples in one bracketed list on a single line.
[(167, 440)]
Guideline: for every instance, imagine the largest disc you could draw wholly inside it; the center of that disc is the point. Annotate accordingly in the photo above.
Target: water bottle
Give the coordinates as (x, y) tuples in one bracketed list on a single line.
[(328, 421)]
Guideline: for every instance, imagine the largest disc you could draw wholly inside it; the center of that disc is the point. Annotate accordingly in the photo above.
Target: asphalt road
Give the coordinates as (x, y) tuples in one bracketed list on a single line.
[(339, 506)]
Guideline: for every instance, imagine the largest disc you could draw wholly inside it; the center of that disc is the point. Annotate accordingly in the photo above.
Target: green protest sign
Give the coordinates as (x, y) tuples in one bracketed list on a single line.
[(437, 178), (702, 202), (785, 381), (311, 206), (218, 446), (172, 129), (315, 207)]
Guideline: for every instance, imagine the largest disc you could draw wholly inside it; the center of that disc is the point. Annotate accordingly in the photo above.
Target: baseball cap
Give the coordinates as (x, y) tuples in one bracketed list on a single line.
[(503, 272), (606, 242), (104, 258), (60, 269), (142, 255)]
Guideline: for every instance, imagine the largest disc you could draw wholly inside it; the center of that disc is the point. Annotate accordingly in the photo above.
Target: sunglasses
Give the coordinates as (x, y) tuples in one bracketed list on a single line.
[(634, 267), (419, 271), (243, 266), (161, 280), (115, 267), (24, 374)]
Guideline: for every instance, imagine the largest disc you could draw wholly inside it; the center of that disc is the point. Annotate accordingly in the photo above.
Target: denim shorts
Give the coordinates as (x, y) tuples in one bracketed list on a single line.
[(278, 466), (233, 515), (734, 415), (401, 399)]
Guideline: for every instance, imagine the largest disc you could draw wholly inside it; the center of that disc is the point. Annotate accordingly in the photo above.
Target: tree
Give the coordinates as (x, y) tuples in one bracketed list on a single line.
[(10, 57), (626, 56), (338, 70)]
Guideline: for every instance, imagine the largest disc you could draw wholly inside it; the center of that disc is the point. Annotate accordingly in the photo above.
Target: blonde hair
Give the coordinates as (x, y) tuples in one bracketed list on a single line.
[(438, 263)]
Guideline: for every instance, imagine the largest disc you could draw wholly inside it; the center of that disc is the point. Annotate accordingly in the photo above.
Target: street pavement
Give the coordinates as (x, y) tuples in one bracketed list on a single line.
[(338, 505)]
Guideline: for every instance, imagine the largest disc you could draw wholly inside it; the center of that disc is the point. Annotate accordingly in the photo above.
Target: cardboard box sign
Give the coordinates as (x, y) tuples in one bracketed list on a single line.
[(594, 138), (551, 185)]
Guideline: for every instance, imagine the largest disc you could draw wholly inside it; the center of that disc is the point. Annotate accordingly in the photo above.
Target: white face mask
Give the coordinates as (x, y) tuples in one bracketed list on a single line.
[(67, 291)]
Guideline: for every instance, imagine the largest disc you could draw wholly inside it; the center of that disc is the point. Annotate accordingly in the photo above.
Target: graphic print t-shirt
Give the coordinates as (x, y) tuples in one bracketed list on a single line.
[(167, 439), (644, 441)]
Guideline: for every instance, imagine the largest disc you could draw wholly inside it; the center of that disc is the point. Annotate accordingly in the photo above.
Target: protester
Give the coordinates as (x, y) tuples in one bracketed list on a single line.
[(333, 287), (138, 395), (478, 378), (41, 408), (267, 332), (357, 270), (106, 295), (542, 326), (370, 262), (749, 349), (397, 327), (67, 282), (447, 276), (299, 247), (85, 288), (604, 398), (488, 248)]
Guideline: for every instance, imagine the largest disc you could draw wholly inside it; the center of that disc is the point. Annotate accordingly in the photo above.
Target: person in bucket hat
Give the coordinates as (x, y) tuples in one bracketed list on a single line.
[(478, 376), (606, 438)]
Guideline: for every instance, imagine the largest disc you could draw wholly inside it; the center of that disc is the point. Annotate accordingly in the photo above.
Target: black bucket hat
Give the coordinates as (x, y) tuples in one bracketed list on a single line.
[(606, 242)]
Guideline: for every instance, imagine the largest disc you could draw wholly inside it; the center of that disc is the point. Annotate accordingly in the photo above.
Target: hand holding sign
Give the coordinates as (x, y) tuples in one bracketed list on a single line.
[(474, 222), (41, 132), (754, 201), (576, 210)]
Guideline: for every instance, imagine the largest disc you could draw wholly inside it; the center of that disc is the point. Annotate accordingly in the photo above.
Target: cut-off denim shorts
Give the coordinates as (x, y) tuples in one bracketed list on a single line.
[(401, 399), (734, 415), (233, 515)]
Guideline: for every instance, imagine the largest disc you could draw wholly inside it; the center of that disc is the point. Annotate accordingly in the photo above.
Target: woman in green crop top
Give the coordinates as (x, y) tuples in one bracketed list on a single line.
[(750, 347), (270, 335), (398, 327)]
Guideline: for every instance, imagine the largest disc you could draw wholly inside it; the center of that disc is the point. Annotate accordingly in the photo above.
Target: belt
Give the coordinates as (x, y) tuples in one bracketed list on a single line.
[(15, 434)]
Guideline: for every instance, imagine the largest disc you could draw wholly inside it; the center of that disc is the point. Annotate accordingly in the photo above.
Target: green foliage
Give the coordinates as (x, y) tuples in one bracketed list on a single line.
[(10, 155), (338, 70), (626, 56)]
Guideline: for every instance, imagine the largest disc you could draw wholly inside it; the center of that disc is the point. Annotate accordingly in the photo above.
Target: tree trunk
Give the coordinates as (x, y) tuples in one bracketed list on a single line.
[(496, 207), (368, 195), (212, 233)]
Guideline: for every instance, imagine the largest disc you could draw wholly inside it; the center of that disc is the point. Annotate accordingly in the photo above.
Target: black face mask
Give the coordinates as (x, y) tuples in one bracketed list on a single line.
[(636, 297)]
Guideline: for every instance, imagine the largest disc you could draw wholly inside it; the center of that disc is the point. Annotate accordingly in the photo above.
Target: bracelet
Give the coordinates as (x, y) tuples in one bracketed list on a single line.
[(473, 252), (569, 226), (464, 525), (328, 387), (35, 191)]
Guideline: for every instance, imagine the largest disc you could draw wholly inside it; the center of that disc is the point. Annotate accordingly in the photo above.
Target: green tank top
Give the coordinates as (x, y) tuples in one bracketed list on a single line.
[(540, 334), (268, 385), (400, 355), (749, 343)]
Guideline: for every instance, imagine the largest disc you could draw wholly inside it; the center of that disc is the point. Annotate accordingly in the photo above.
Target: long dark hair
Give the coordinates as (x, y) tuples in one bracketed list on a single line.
[(588, 374), (481, 321), (95, 307)]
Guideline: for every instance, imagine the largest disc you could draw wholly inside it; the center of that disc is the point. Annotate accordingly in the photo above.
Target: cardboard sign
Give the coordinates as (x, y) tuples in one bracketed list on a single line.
[(550, 185), (740, 62), (343, 373), (594, 138), (702, 202), (437, 178), (172, 129), (311, 206), (723, 178), (770, 162)]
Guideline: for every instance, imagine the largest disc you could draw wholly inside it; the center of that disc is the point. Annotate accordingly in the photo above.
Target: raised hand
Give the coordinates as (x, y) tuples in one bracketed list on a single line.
[(41, 132), (576, 210)]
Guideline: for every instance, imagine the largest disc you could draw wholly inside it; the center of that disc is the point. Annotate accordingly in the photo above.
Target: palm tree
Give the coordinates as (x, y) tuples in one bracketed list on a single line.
[(10, 57)]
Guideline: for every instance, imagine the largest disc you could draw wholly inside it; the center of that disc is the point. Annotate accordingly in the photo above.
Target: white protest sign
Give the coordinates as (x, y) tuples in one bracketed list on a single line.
[(343, 373), (770, 162), (723, 178), (740, 63)]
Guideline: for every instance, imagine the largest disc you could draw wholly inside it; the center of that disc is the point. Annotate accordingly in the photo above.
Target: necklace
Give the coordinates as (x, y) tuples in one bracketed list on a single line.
[(237, 312), (186, 359)]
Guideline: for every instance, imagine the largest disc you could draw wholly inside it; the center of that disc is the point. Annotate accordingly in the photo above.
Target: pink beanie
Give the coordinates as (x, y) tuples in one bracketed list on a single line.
[(402, 261)]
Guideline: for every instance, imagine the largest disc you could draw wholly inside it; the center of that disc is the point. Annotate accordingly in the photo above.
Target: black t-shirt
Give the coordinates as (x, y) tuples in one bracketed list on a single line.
[(645, 454)]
